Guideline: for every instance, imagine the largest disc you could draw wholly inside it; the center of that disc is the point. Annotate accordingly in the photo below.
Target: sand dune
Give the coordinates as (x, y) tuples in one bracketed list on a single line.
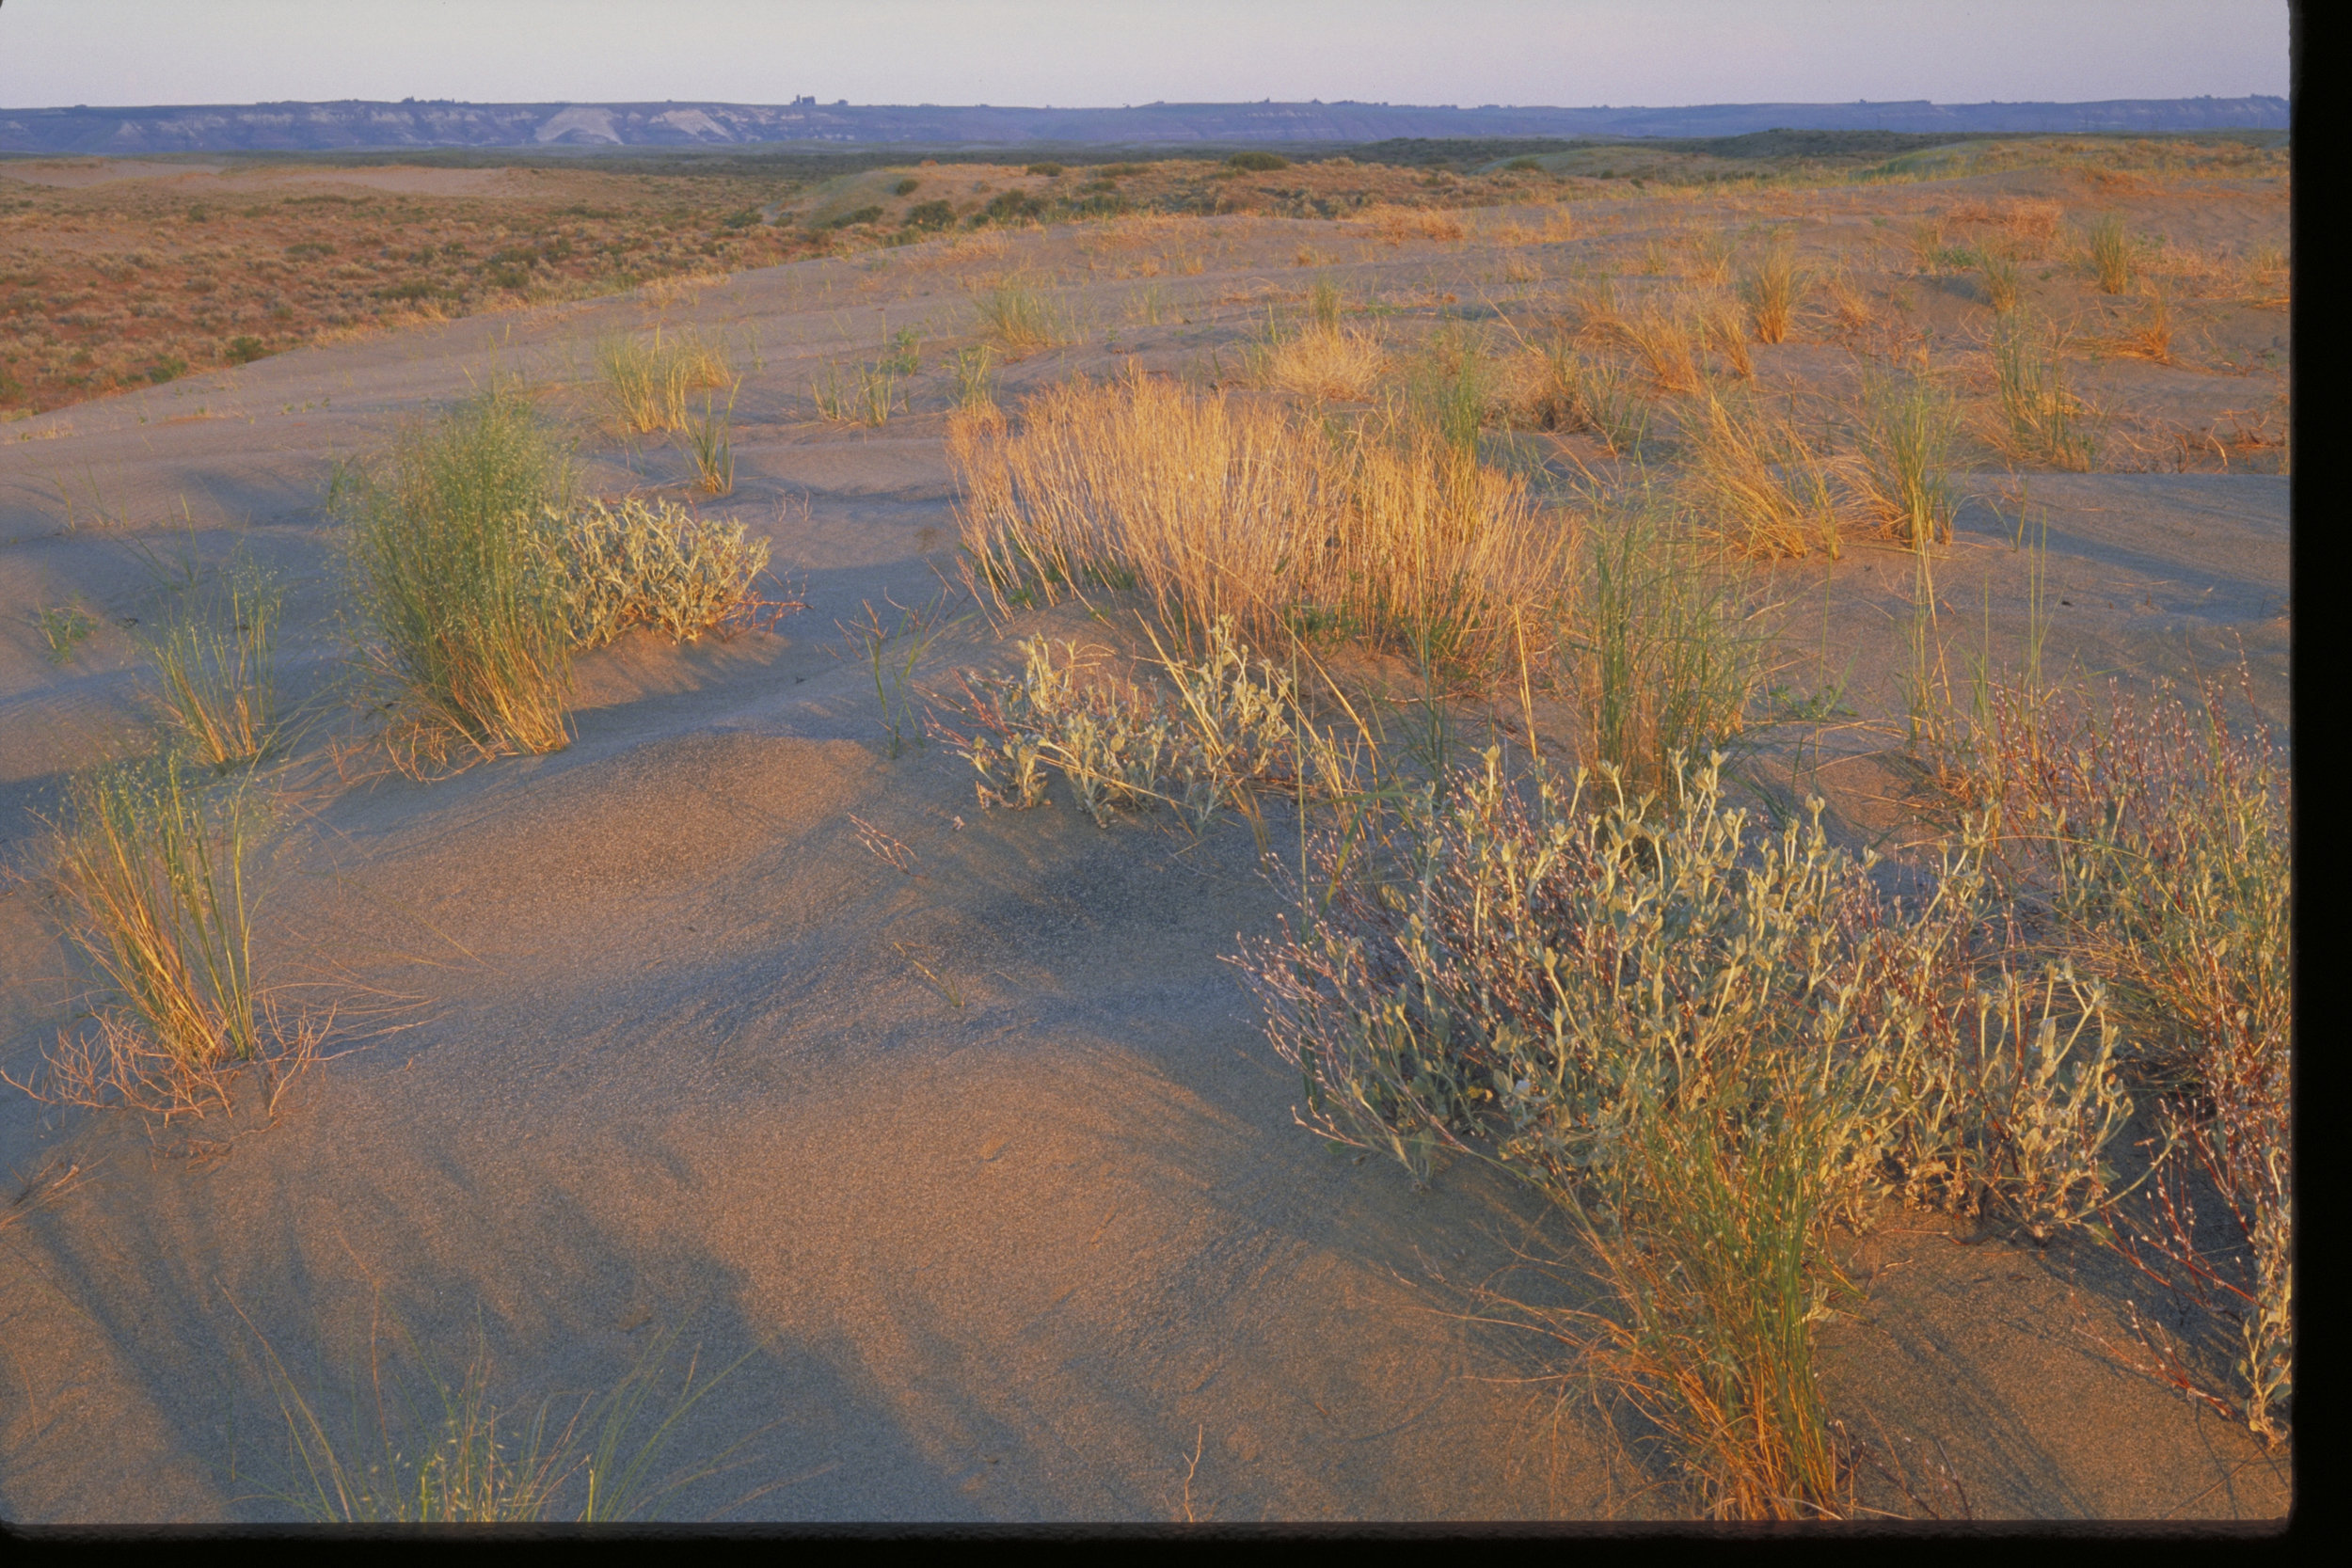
[(984, 1167)]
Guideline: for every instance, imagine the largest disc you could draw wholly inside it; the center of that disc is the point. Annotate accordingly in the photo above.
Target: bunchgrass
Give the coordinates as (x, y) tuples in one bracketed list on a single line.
[(890, 651), (2111, 253), (64, 629), (1662, 655), (1908, 430), (150, 871), (441, 1452), (1559, 386), (1018, 319), (710, 443), (975, 376), (1721, 324), (1714, 1277), (1447, 390), (1773, 286), (446, 548), (1209, 508), (2000, 280), (1666, 346), (2150, 335), (1331, 363), (646, 381), (215, 667), (1756, 482), (2042, 419), (865, 395)]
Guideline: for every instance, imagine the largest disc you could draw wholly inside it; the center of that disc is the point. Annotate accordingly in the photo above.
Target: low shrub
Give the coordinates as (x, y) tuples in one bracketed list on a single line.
[(613, 567), (1222, 731), (1706, 1047), (2159, 837)]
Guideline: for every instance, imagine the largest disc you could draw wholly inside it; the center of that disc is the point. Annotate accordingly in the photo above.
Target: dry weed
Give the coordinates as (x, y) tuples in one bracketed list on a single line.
[(1759, 484), (1338, 364), (1666, 345)]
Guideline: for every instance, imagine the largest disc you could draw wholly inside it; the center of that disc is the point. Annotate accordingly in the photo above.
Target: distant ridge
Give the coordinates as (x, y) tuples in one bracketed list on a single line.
[(355, 125)]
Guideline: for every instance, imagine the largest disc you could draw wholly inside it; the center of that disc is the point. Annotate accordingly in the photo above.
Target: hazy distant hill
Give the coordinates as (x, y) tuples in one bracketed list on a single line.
[(353, 124)]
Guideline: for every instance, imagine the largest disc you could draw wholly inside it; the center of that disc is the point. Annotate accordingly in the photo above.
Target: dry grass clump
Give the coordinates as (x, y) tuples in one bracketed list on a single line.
[(1908, 430), (2110, 250), (2042, 420), (1213, 509), (441, 1455), (2000, 280), (1396, 223), (1017, 317), (1758, 483), (2150, 335), (1666, 345), (1333, 364), (1848, 306), (610, 568), (2028, 225), (2161, 840), (683, 288), (445, 566), (216, 668), (646, 381), (1774, 287), (1711, 252), (1551, 386), (1592, 311), (1721, 327), (151, 879), (1511, 974)]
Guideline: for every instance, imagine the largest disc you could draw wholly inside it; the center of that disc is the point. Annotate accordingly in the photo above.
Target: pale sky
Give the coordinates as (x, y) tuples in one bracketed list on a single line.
[(1085, 52)]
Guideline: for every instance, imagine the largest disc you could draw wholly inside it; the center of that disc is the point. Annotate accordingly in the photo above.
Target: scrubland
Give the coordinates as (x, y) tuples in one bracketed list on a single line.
[(1541, 839)]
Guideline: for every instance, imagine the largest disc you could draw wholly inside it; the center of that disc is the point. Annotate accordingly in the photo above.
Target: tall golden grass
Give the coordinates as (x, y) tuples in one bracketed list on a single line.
[(647, 382), (1209, 508), (1758, 483), (1773, 289), (1668, 346)]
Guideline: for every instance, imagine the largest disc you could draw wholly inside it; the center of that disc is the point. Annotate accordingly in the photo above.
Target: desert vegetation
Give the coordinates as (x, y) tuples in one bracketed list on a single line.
[(1600, 672)]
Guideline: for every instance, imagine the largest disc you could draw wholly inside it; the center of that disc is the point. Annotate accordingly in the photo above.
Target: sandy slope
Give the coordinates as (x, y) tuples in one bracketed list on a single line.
[(639, 1035)]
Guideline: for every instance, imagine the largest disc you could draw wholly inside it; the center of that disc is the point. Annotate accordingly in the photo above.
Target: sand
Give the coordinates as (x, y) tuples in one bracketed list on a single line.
[(982, 1174)]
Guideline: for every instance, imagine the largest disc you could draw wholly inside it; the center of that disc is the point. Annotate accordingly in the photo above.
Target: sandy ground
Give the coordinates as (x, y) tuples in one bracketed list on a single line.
[(984, 1171)]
